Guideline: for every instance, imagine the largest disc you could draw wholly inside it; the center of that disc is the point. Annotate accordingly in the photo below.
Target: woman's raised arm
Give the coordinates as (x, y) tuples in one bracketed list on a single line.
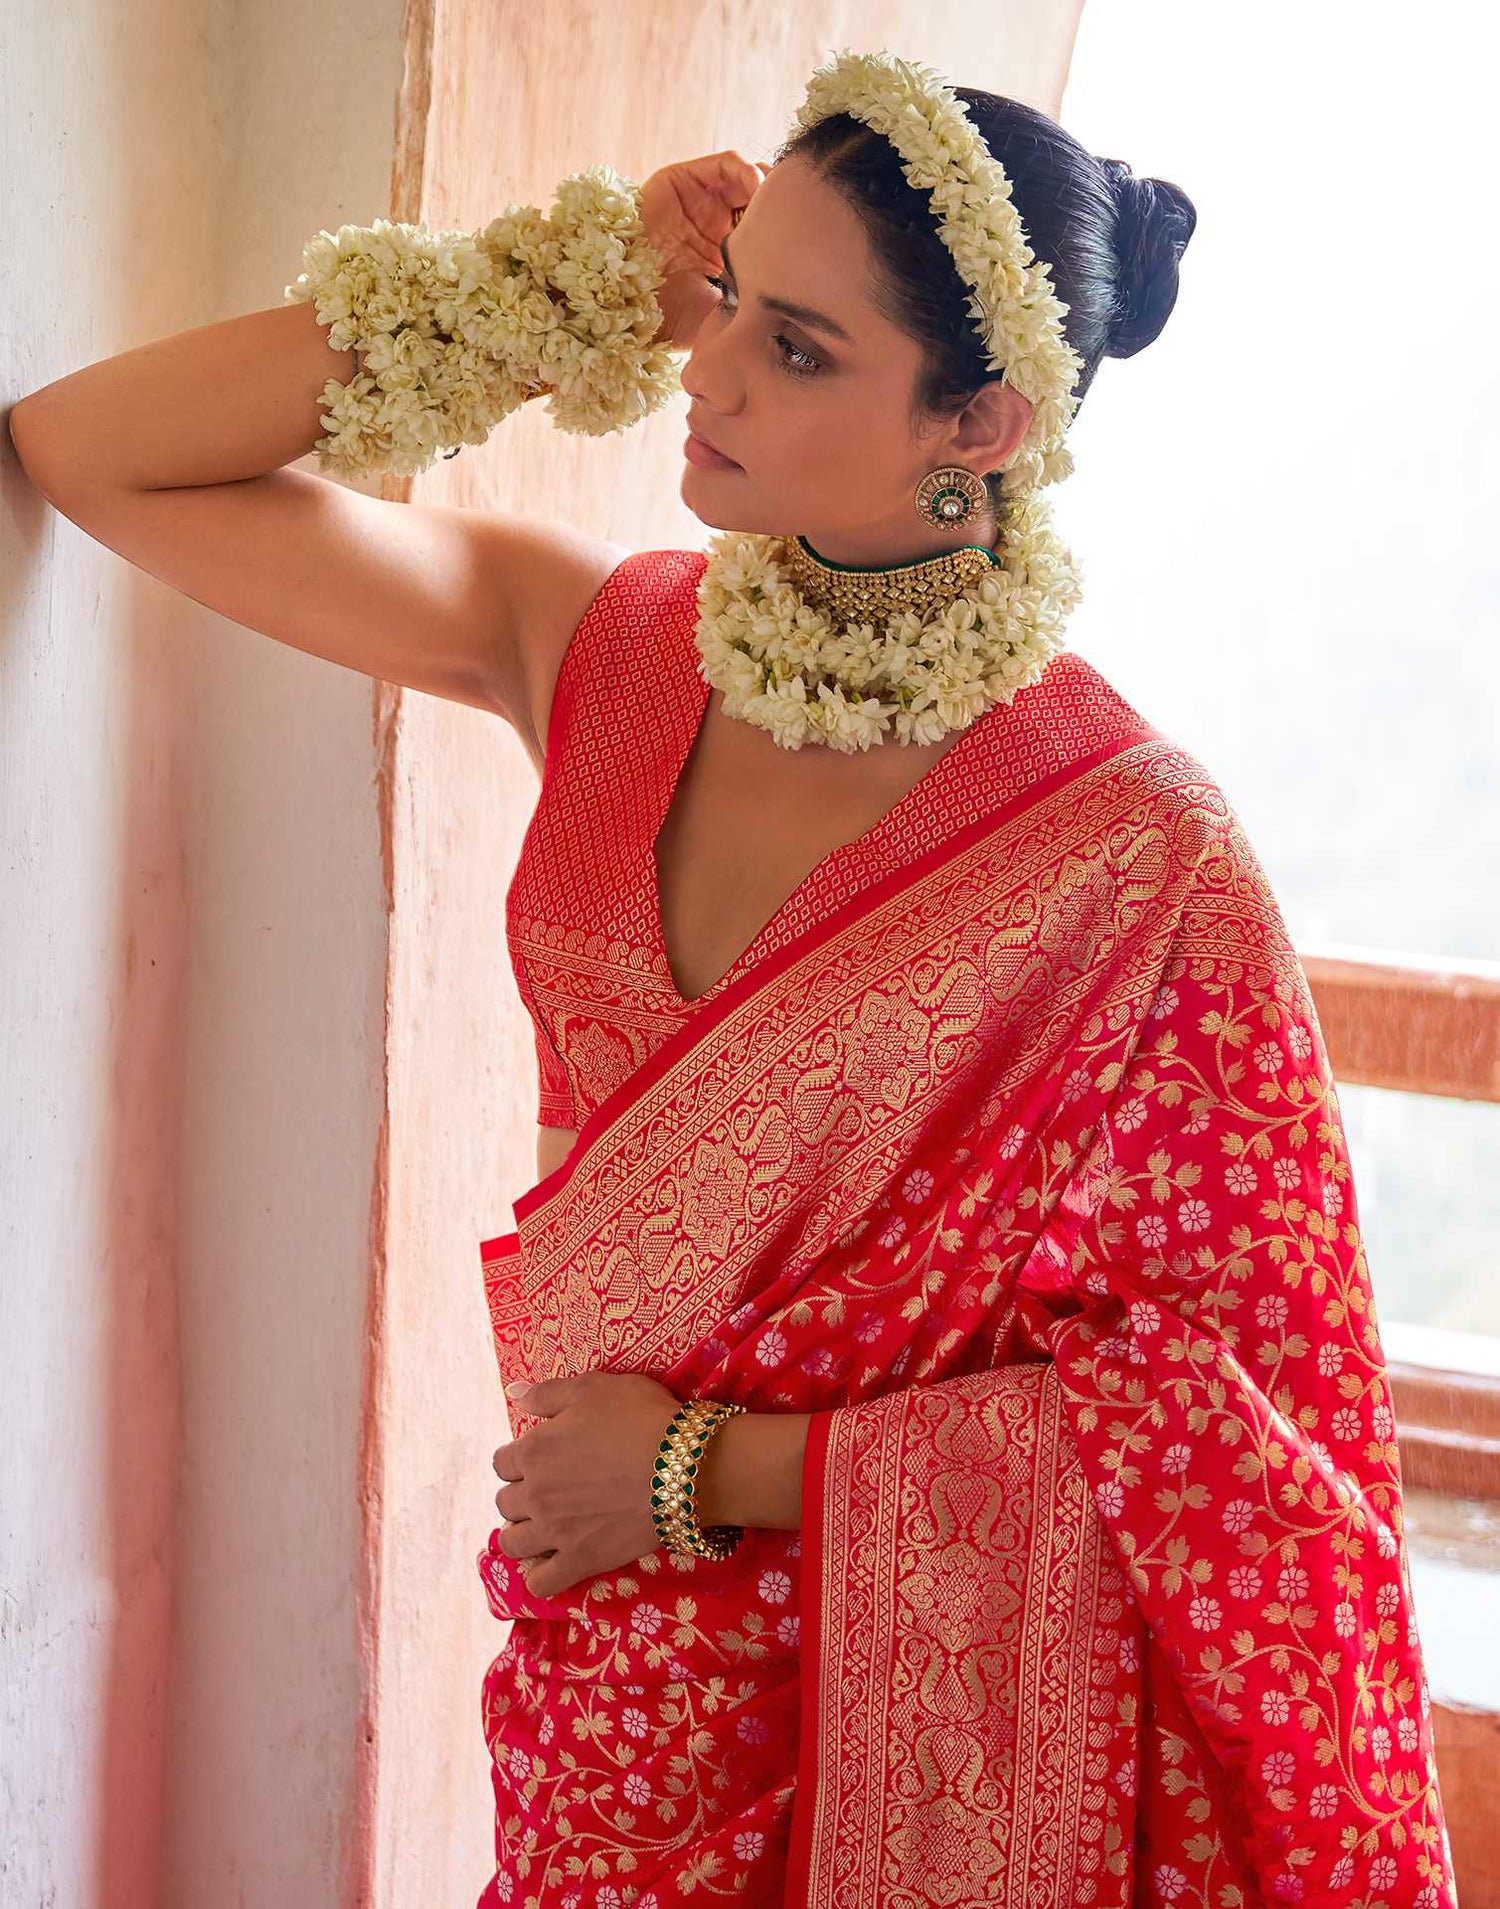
[(207, 406), (171, 454)]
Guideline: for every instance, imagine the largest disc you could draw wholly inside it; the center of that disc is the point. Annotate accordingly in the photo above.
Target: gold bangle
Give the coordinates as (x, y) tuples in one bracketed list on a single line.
[(674, 1482)]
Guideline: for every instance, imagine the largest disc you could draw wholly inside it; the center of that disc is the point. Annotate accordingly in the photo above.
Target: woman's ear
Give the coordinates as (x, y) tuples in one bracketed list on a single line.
[(991, 425)]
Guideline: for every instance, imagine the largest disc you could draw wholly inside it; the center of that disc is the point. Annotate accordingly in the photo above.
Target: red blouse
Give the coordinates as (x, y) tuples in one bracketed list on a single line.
[(582, 912)]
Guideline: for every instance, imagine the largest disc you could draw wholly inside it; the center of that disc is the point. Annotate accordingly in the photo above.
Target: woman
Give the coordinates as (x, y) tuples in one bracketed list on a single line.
[(999, 1174), (959, 1111)]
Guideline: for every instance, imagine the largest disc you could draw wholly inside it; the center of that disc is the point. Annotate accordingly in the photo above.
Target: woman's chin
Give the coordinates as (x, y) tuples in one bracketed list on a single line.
[(724, 516), (705, 502)]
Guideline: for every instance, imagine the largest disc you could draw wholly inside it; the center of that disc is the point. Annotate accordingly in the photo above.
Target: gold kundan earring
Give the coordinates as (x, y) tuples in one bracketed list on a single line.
[(950, 496)]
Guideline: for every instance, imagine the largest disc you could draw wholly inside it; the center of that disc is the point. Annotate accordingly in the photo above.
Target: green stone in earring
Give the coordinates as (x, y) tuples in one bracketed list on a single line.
[(949, 495)]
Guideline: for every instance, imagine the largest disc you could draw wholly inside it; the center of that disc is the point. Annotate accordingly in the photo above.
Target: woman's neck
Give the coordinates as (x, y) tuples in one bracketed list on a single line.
[(867, 549)]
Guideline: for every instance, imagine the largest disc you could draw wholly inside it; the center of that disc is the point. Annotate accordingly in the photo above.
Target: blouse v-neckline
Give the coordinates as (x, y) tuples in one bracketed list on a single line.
[(684, 657)]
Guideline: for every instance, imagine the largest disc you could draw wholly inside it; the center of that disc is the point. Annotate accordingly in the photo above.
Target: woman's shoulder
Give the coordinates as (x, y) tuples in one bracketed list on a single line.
[(647, 593), (644, 588), (662, 574), (1168, 786), (631, 624), (1230, 910), (1158, 758)]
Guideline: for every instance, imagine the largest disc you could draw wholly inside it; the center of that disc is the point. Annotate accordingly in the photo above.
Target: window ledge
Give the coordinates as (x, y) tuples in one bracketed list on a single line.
[(1453, 1545)]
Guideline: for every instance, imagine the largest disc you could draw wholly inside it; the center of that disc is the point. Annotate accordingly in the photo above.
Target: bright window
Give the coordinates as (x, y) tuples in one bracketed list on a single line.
[(1285, 513)]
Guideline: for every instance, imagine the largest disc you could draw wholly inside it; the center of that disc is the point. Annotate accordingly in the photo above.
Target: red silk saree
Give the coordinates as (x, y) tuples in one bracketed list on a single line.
[(1023, 1173)]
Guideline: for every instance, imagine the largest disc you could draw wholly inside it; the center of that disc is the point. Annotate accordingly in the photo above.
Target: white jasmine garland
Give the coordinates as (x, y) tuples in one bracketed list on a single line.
[(778, 661), (456, 330), (784, 666)]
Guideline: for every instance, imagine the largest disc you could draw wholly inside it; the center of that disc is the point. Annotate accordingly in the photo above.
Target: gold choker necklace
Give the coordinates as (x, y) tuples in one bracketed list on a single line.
[(874, 593)]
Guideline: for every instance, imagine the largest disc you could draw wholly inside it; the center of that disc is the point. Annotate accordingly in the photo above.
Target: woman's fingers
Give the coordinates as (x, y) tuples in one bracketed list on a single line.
[(688, 209), (710, 192), (740, 178), (720, 185)]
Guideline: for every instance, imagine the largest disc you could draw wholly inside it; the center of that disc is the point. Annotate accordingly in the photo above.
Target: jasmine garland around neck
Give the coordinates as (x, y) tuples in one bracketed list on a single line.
[(815, 652)]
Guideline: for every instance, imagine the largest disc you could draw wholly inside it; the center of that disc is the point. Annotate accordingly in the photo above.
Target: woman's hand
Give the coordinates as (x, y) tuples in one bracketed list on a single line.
[(579, 1500), (687, 210)]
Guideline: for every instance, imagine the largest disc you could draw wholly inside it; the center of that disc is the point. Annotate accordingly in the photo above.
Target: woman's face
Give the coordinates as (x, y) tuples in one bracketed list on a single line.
[(817, 421)]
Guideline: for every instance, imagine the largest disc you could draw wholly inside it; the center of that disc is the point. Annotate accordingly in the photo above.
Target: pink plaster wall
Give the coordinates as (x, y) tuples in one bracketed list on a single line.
[(193, 940)]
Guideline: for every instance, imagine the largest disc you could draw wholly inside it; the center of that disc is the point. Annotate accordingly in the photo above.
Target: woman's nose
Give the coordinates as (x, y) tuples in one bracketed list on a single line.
[(706, 375), (693, 381)]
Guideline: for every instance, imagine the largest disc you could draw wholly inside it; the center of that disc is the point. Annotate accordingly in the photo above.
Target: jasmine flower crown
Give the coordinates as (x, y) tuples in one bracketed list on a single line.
[(1016, 312)]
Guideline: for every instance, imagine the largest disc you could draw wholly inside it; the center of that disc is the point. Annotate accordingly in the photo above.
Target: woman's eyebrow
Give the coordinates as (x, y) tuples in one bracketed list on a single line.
[(804, 314)]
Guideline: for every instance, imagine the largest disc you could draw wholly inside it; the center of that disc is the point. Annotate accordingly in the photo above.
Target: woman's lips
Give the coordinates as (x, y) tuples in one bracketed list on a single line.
[(706, 457)]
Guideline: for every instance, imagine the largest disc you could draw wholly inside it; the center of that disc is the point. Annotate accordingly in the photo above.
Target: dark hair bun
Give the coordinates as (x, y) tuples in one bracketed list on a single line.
[(1155, 220)]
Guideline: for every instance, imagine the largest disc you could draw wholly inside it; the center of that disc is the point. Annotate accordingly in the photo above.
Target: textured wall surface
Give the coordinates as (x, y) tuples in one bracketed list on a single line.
[(193, 949)]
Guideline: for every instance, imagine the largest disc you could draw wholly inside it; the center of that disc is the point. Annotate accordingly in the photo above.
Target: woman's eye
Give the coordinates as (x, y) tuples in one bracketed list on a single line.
[(799, 363)]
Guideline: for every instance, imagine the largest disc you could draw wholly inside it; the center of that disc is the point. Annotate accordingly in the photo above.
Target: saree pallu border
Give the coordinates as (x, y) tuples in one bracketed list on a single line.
[(705, 1166), (971, 1659), (631, 1255)]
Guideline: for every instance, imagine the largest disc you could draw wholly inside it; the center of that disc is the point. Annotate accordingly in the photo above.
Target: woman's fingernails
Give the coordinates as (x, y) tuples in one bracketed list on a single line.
[(515, 1388)]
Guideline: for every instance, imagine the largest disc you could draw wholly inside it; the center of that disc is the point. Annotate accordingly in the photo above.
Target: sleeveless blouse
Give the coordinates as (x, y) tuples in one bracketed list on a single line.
[(582, 911)]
